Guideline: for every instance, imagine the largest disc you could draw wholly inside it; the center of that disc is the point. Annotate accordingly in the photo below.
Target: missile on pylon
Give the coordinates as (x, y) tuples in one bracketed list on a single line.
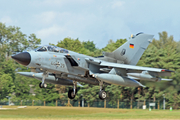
[(146, 76), (118, 80)]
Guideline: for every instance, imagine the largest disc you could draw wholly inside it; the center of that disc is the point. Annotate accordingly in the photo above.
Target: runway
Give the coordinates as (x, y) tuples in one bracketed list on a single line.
[(79, 113)]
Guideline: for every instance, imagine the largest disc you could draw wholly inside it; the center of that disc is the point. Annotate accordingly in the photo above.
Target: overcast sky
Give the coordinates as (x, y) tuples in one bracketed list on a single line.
[(94, 20)]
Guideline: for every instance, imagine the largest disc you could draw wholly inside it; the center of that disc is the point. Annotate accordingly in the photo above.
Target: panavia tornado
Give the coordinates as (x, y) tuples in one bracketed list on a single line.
[(51, 64)]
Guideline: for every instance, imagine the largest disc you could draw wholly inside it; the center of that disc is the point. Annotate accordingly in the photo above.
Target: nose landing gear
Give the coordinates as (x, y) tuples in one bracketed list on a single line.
[(43, 84)]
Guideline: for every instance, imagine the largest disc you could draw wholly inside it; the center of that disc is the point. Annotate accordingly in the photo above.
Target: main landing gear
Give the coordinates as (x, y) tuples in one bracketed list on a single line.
[(102, 93), (43, 84), (72, 92)]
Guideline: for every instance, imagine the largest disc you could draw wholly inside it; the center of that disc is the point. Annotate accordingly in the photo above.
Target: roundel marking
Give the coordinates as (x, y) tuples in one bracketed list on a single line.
[(123, 52)]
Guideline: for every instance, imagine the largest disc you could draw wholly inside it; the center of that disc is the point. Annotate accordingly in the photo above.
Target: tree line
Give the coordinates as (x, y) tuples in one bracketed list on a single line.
[(161, 53)]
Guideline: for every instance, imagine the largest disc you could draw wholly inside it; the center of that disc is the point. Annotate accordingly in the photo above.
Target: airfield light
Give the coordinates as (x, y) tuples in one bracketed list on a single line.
[(8, 100), (82, 100), (164, 101)]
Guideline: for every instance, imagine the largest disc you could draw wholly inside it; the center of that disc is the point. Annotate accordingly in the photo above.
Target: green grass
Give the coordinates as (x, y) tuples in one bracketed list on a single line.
[(41, 112)]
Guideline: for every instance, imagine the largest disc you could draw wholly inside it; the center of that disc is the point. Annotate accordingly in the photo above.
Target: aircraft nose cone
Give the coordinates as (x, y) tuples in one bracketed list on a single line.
[(23, 58)]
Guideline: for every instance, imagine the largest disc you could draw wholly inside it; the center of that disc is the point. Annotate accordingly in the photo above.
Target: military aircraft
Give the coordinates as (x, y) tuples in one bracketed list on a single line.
[(51, 64)]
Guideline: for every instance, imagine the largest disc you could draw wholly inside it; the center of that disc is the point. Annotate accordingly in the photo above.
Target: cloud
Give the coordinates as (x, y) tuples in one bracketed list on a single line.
[(99, 21), (117, 4), (61, 3), (47, 32), (53, 2), (6, 19), (54, 33), (45, 17)]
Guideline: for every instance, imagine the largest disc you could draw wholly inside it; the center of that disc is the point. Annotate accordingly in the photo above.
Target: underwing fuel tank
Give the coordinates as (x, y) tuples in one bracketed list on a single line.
[(117, 80), (142, 76), (146, 76), (49, 78)]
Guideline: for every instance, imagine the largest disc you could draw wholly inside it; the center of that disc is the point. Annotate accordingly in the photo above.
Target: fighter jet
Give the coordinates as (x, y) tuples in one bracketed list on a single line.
[(51, 64)]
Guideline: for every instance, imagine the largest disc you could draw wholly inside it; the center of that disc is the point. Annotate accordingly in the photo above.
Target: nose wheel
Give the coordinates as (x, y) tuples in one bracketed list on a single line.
[(43, 84)]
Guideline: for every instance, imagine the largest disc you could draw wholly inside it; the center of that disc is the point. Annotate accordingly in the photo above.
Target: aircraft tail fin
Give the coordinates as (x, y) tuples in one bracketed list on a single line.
[(131, 51)]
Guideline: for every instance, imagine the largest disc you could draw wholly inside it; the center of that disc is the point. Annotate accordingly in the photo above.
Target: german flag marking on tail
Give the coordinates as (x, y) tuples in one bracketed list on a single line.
[(131, 46)]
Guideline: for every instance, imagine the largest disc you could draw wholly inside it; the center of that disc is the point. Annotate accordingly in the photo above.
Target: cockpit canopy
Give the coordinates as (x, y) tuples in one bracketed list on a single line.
[(51, 48)]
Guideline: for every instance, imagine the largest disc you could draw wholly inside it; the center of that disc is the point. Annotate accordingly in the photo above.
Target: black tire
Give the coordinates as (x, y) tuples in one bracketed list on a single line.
[(102, 95), (71, 94), (40, 85)]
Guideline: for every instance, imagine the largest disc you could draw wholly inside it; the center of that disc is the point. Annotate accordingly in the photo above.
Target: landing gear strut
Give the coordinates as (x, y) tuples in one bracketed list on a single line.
[(102, 93), (72, 92), (43, 84)]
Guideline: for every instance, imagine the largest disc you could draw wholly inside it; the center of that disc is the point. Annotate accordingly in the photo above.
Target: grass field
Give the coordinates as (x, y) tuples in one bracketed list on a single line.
[(72, 113)]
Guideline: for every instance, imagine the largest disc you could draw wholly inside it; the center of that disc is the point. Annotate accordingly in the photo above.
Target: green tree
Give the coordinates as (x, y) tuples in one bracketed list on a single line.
[(111, 46), (162, 53), (6, 85), (89, 45), (48, 94), (88, 92), (15, 40)]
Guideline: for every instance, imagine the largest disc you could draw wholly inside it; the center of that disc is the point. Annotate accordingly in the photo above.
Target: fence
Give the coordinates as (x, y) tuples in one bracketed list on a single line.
[(83, 103)]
